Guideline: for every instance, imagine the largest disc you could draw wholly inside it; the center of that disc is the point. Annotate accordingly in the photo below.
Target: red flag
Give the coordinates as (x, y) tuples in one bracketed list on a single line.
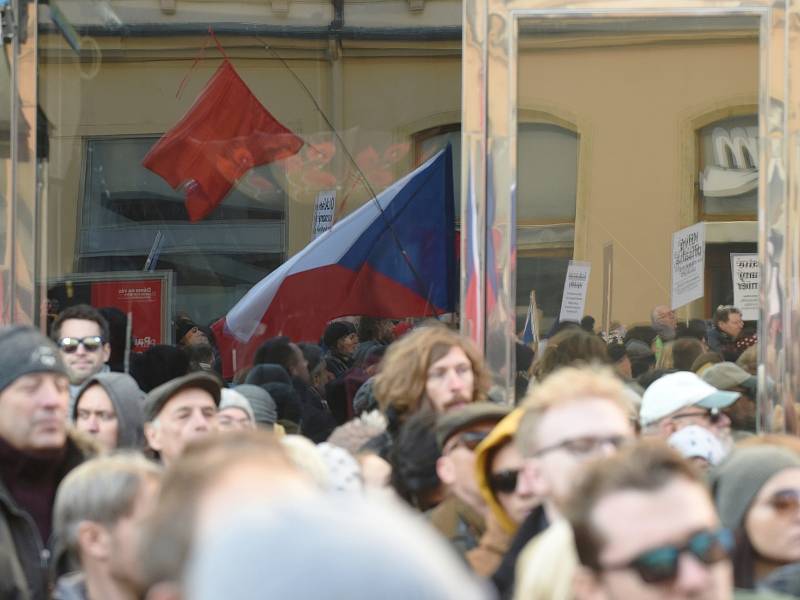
[(226, 133)]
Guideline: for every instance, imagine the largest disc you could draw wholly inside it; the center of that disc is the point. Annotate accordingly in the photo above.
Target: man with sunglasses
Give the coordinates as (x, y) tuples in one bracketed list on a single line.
[(645, 527), (461, 516), (681, 399), (82, 335), (574, 416)]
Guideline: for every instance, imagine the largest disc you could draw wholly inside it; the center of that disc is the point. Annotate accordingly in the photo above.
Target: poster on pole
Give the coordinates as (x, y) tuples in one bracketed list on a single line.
[(746, 274), (688, 264), (575, 287), (324, 208)]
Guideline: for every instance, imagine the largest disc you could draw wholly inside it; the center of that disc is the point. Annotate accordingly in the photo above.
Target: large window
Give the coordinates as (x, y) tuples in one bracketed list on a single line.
[(546, 205)]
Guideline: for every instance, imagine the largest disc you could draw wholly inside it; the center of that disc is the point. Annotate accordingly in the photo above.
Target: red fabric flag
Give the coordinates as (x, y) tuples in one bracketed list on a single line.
[(226, 133)]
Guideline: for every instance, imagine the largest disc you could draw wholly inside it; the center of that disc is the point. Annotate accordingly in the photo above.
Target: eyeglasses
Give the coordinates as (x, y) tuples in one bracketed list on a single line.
[(70, 344), (504, 482), (660, 565), (467, 439), (713, 415), (785, 501), (584, 446)]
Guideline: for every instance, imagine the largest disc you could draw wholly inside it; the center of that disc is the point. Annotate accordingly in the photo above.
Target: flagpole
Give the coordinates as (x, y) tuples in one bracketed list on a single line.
[(352, 160)]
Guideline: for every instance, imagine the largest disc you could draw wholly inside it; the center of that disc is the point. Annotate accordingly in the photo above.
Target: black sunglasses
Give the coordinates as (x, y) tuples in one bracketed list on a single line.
[(504, 482), (70, 344), (660, 565)]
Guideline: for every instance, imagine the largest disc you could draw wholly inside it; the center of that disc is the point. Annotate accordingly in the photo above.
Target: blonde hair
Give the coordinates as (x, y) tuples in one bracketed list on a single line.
[(400, 384), (567, 385), (546, 567)]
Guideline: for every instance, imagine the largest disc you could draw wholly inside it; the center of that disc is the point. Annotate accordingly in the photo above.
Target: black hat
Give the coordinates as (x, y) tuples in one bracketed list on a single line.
[(183, 326), (336, 331), (158, 397), (24, 350), (457, 420)]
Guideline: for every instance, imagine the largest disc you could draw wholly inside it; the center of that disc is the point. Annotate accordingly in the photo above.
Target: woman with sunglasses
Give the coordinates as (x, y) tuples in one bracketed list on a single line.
[(757, 493), (498, 462)]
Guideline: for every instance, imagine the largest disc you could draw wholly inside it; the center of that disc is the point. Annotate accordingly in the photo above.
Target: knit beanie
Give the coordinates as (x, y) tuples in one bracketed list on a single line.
[(264, 409), (234, 399), (23, 350), (738, 479)]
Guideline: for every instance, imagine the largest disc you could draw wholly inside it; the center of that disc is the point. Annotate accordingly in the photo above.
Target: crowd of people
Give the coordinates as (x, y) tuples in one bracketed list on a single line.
[(381, 461)]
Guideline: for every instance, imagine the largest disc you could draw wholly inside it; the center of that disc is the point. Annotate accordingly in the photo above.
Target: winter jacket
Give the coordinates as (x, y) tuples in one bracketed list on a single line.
[(24, 556), (459, 523), (500, 527)]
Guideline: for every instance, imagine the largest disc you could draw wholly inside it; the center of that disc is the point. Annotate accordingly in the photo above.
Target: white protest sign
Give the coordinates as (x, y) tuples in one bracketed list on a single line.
[(688, 264), (575, 287), (324, 208), (746, 274)]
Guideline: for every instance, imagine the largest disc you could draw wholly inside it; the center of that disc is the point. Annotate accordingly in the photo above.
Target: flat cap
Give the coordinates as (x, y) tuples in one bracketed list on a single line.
[(450, 423), (159, 396)]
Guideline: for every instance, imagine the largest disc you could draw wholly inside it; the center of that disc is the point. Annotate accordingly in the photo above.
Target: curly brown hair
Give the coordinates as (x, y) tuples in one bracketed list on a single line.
[(400, 384)]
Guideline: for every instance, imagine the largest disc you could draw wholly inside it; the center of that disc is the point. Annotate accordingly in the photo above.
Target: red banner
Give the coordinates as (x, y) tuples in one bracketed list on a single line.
[(142, 299)]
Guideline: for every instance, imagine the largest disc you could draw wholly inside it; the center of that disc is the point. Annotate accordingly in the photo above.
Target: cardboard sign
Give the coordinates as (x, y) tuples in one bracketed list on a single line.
[(324, 208), (746, 274), (141, 298), (575, 287), (688, 264)]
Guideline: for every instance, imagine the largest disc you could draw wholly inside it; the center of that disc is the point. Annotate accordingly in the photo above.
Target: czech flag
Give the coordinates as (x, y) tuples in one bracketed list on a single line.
[(393, 257)]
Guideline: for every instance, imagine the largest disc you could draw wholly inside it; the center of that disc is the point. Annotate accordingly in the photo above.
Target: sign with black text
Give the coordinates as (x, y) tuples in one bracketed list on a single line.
[(688, 264), (746, 274), (324, 209), (575, 287)]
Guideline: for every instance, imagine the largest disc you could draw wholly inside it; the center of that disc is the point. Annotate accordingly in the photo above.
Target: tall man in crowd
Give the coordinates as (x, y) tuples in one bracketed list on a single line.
[(35, 455), (726, 327), (572, 417), (82, 335), (431, 367), (180, 411), (665, 323)]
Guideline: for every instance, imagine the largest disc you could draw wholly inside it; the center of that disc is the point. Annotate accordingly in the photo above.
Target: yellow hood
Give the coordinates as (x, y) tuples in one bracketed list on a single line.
[(502, 433)]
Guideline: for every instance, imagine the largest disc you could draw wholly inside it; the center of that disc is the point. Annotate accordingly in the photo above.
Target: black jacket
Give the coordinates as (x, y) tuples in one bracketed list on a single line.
[(24, 556), (533, 525)]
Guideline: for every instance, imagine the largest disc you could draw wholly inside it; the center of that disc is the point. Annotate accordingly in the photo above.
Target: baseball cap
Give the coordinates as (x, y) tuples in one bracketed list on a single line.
[(455, 421), (727, 375), (675, 391), (158, 397)]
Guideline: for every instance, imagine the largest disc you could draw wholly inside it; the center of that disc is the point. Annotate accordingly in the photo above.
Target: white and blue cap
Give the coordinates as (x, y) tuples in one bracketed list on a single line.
[(676, 391)]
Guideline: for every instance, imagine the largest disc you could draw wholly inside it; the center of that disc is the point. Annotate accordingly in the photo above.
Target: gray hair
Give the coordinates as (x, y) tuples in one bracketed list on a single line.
[(101, 490)]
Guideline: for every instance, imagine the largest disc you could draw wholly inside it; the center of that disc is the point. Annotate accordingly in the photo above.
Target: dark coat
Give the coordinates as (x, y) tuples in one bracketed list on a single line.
[(533, 525), (24, 556)]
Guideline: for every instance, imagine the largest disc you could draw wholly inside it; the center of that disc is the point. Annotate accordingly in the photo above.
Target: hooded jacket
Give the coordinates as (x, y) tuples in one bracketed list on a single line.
[(502, 434), (500, 527), (128, 401)]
